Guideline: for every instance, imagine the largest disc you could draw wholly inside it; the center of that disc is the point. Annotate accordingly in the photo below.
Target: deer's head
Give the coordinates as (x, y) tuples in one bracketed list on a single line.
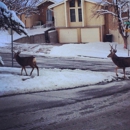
[(112, 51), (16, 54)]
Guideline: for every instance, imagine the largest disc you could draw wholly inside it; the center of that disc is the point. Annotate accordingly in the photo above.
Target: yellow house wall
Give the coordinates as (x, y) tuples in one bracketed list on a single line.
[(59, 16), (73, 24), (29, 21), (90, 19), (116, 36), (89, 30)]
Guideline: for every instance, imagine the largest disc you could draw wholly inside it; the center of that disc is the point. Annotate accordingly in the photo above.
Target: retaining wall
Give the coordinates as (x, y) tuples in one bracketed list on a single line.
[(49, 36), (38, 38), (53, 36)]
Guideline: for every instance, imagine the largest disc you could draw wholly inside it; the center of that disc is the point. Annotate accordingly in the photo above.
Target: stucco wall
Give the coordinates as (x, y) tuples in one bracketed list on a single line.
[(116, 36), (74, 31), (30, 21), (76, 23), (90, 19), (59, 16)]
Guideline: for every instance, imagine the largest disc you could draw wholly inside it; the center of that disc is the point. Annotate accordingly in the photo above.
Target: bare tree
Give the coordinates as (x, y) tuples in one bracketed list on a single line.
[(116, 8), (9, 19), (22, 6)]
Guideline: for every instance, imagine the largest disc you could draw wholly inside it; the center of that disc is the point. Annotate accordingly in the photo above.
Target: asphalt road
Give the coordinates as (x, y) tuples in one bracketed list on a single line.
[(73, 109), (97, 107), (63, 63)]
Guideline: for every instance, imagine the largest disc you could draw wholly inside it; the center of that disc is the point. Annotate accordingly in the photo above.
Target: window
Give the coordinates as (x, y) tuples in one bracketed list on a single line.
[(49, 15), (75, 11), (72, 3), (79, 3), (80, 14), (72, 15)]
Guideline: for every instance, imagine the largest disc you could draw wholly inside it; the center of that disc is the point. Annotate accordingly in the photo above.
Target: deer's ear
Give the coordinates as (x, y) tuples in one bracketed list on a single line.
[(115, 50), (18, 52)]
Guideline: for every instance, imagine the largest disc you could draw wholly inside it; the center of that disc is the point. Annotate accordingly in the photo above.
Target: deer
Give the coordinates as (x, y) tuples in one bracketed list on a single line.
[(120, 62), (25, 61), (1, 61)]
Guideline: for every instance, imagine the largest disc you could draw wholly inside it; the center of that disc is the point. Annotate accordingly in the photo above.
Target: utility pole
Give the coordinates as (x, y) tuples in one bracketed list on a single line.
[(11, 39), (12, 45)]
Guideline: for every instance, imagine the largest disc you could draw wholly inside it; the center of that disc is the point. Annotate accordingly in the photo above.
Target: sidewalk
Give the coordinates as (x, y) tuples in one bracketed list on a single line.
[(32, 49), (75, 51)]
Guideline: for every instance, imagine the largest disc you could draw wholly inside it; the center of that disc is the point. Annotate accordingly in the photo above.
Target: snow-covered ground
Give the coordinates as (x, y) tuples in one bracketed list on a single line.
[(12, 82), (6, 37), (49, 79)]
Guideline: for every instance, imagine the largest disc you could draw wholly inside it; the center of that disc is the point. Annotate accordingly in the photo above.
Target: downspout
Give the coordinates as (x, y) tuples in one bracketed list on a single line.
[(82, 7), (66, 18)]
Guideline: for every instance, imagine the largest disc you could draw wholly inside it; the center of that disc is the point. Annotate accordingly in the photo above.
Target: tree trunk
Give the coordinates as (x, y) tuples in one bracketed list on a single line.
[(125, 42), (124, 37)]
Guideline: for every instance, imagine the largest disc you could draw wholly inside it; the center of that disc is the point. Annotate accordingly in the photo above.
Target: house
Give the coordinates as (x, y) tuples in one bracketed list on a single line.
[(45, 15), (75, 23), (111, 27), (29, 21)]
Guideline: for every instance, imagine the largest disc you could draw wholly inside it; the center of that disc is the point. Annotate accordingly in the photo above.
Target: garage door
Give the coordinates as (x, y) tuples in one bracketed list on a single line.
[(68, 36), (90, 35)]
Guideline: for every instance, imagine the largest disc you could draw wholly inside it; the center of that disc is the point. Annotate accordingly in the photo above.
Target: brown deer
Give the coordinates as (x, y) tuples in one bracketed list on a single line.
[(25, 61), (121, 62)]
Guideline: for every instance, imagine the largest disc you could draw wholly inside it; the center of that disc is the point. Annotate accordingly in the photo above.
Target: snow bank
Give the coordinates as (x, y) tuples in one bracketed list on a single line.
[(49, 79), (94, 49)]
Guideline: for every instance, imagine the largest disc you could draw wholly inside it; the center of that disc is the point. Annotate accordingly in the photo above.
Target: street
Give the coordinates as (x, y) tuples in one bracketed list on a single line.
[(81, 108), (64, 63), (72, 109)]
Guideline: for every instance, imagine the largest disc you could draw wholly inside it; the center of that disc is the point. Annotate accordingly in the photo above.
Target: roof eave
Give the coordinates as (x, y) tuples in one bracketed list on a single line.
[(46, 1), (56, 4), (62, 2)]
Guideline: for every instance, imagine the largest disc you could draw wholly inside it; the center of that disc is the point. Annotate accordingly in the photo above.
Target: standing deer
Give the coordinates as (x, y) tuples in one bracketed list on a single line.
[(25, 61), (1, 61), (121, 62)]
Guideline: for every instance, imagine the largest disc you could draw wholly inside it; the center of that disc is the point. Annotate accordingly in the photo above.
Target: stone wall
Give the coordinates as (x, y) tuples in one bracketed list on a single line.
[(53, 36), (50, 36), (39, 38)]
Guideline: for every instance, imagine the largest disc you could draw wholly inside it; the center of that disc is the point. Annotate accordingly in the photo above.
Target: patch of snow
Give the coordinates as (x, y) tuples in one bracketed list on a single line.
[(49, 79), (53, 79)]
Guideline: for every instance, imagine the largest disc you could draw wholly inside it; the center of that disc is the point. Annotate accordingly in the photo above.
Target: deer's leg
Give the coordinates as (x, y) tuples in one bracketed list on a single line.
[(37, 70), (32, 70), (124, 72), (25, 70), (116, 70), (21, 70)]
